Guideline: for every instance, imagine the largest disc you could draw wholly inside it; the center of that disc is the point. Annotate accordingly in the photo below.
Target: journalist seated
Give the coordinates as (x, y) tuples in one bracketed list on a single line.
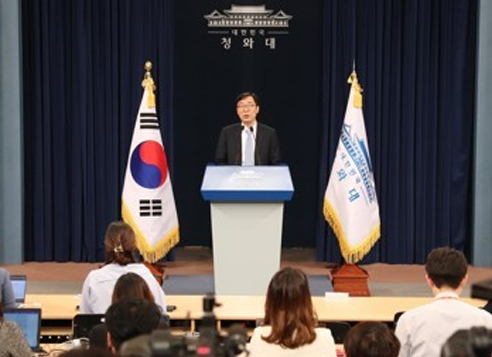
[(474, 342), (128, 318), (371, 339), (121, 250), (290, 321)]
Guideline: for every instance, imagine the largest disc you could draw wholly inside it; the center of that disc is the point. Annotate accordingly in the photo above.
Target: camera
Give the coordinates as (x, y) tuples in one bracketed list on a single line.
[(209, 342)]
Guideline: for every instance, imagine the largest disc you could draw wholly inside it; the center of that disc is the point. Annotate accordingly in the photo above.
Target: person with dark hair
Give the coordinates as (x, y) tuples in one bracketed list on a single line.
[(7, 291), (129, 285), (475, 342), (12, 340), (247, 143), (423, 330), (371, 339), (290, 321), (128, 318), (121, 249)]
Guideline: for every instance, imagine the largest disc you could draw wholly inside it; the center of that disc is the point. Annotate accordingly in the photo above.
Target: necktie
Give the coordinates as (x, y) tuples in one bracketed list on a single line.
[(249, 159)]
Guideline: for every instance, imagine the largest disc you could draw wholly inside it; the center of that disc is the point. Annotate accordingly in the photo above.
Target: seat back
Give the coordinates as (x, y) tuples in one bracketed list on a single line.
[(338, 330)]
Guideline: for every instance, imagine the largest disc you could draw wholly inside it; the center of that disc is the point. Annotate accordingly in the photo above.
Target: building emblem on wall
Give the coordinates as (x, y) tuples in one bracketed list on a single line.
[(248, 22)]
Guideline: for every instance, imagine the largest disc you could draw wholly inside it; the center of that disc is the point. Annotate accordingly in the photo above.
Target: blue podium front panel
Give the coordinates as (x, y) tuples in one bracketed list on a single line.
[(247, 184)]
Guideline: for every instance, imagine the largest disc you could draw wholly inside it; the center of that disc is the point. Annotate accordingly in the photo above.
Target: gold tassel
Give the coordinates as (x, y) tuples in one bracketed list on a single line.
[(358, 89), (351, 255), (154, 253), (148, 84)]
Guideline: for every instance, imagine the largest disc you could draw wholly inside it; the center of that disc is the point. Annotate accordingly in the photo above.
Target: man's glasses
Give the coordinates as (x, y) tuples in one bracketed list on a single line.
[(246, 106)]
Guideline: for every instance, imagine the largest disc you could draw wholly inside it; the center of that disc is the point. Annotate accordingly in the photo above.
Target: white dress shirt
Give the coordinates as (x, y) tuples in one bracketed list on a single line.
[(99, 285), (322, 346), (244, 137), (422, 331)]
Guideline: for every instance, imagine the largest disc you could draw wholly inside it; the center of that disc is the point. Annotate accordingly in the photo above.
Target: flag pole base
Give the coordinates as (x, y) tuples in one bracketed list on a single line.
[(352, 279), (157, 271)]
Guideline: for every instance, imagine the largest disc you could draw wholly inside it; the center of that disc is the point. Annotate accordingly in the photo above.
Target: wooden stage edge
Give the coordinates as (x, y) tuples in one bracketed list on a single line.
[(58, 310)]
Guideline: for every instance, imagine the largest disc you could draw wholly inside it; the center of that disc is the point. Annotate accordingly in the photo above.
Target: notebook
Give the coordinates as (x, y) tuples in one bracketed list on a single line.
[(19, 283), (29, 321)]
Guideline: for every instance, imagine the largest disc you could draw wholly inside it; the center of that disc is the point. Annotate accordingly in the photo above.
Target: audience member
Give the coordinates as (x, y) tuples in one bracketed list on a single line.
[(128, 318), (422, 331), (129, 285), (7, 291), (121, 250), (12, 340), (371, 339), (475, 342), (290, 321)]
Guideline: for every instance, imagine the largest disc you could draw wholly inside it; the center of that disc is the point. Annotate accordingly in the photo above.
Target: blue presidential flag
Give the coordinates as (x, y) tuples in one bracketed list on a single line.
[(350, 203)]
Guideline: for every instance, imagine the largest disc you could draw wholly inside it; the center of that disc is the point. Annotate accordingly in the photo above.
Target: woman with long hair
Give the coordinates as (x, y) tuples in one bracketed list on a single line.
[(290, 323), (131, 285), (121, 250), (128, 286)]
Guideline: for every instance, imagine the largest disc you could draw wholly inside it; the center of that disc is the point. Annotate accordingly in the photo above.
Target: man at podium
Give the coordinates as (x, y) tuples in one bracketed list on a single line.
[(247, 143)]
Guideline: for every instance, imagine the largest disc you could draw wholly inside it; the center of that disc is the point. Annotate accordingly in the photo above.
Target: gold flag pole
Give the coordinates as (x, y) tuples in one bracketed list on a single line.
[(149, 85)]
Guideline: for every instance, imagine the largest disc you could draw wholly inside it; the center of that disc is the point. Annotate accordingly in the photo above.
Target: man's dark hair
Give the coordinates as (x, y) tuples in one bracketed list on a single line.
[(371, 339), (446, 267), (248, 94), (131, 317), (475, 342)]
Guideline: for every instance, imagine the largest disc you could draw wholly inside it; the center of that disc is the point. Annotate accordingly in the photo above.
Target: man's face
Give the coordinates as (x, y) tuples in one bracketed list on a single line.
[(247, 110)]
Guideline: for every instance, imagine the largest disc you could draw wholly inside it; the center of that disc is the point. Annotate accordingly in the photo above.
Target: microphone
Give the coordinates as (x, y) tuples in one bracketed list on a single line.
[(257, 156)]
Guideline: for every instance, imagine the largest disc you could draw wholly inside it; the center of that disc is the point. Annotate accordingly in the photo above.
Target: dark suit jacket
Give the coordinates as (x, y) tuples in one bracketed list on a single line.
[(267, 151)]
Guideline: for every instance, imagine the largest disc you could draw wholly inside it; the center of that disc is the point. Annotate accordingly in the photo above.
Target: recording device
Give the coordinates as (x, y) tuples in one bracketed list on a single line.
[(209, 342)]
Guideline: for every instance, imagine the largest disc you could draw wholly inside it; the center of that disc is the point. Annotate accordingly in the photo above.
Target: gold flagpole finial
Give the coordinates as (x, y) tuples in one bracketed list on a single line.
[(358, 89), (148, 84)]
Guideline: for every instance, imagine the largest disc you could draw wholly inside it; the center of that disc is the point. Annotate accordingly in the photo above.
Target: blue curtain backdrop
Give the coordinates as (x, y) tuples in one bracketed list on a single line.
[(83, 67), (83, 64), (416, 63)]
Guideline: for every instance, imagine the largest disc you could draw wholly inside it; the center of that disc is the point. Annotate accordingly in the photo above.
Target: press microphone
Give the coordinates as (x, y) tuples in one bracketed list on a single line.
[(252, 132)]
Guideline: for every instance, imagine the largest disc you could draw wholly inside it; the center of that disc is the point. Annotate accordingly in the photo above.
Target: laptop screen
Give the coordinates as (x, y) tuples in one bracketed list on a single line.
[(29, 321), (19, 284)]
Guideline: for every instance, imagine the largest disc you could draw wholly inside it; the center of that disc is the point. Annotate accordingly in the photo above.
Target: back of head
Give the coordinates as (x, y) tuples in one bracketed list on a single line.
[(475, 342), (289, 309), (131, 285), (119, 243), (446, 267), (371, 339), (131, 317)]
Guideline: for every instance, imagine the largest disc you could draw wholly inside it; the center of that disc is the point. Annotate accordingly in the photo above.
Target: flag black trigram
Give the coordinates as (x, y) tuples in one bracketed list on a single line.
[(148, 121), (150, 208)]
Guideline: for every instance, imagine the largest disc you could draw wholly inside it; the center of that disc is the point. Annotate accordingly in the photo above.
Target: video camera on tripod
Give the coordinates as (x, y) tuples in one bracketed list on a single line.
[(208, 343)]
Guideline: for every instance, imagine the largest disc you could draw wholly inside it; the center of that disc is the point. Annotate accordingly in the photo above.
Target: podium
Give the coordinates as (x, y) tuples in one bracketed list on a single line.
[(246, 207)]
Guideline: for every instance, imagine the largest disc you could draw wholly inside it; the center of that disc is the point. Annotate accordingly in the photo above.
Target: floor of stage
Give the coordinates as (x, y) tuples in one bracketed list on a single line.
[(384, 279)]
